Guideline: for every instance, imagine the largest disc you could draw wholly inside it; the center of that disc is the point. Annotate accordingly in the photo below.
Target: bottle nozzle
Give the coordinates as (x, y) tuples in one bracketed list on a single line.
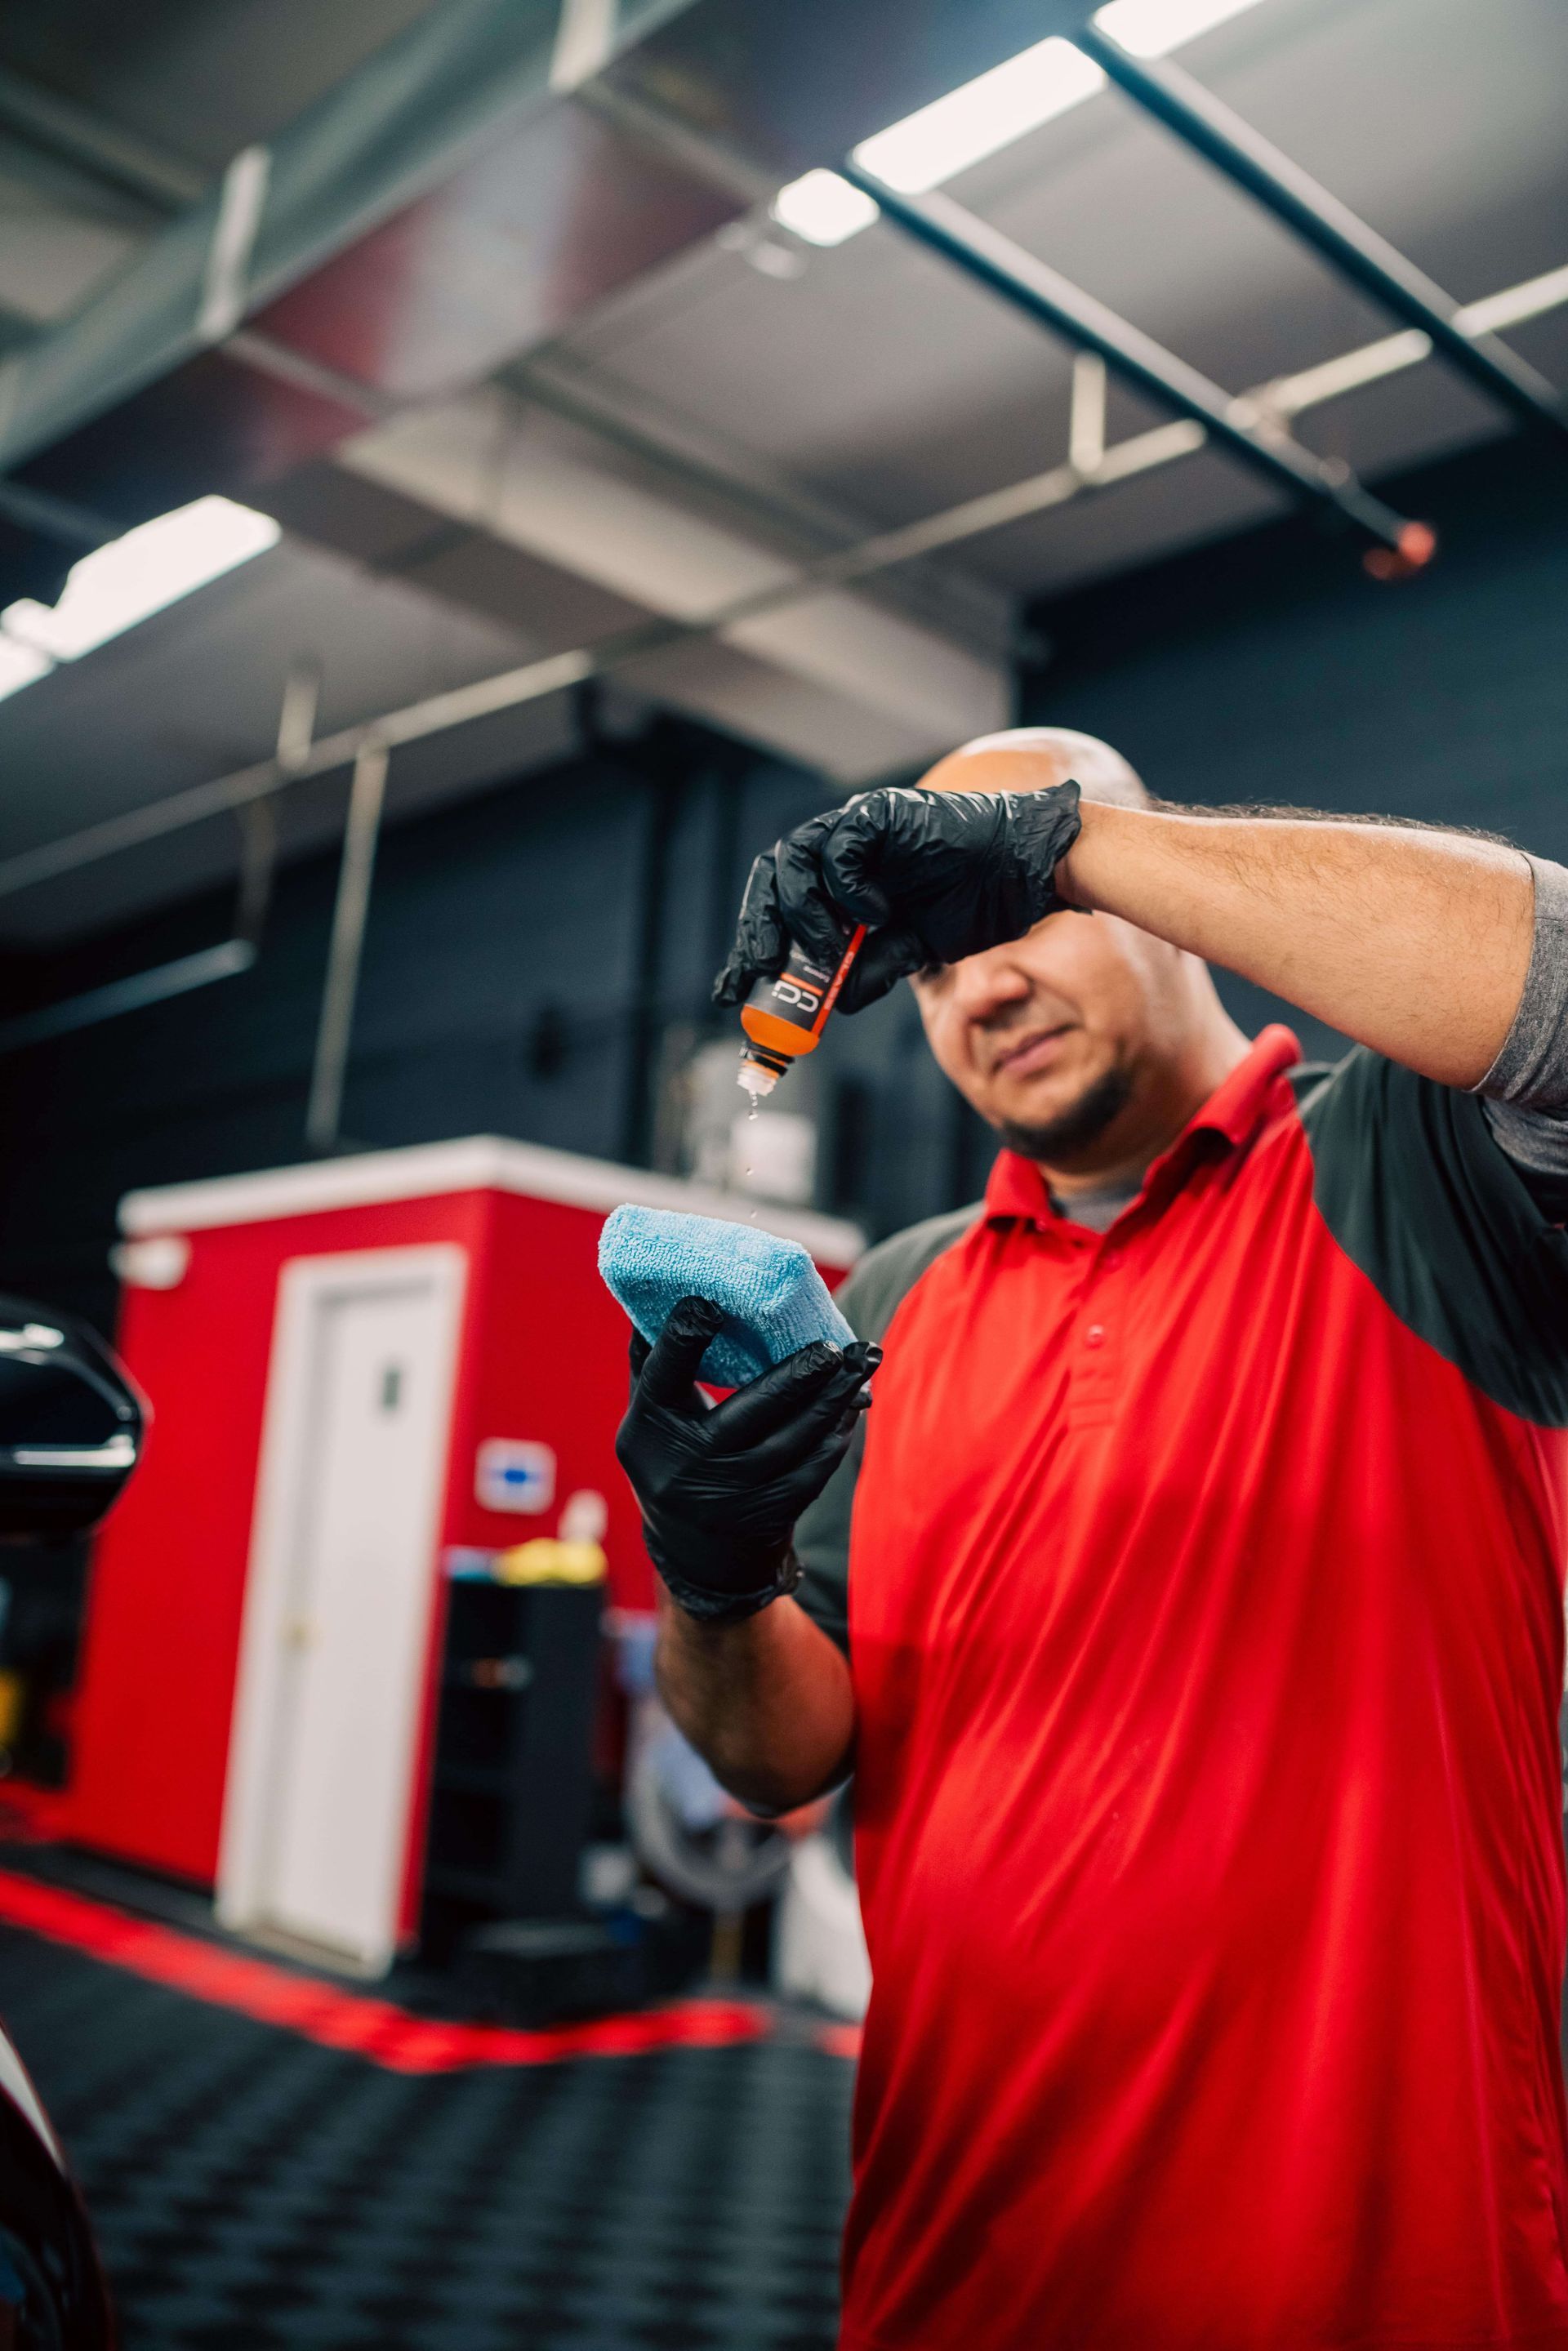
[(784, 1015)]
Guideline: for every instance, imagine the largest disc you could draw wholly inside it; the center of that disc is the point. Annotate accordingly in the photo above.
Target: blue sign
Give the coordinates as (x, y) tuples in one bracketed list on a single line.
[(515, 1474)]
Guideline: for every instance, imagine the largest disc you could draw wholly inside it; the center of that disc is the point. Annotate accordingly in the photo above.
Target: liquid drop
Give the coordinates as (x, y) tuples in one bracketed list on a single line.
[(750, 1114)]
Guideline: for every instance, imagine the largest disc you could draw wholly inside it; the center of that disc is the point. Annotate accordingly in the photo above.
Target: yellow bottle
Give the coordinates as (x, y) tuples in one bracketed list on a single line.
[(784, 1018)]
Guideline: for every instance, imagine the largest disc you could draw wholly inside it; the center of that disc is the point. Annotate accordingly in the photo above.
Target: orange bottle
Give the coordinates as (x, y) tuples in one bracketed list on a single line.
[(784, 1018)]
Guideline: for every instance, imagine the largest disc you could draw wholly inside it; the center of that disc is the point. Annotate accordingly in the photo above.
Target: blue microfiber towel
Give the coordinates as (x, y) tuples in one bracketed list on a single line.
[(774, 1300)]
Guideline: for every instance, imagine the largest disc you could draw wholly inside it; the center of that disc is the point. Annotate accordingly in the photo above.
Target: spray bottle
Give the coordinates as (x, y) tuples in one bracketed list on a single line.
[(784, 1018)]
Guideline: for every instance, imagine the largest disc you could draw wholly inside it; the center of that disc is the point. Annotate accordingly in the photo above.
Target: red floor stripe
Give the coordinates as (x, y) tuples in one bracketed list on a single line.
[(319, 2011)]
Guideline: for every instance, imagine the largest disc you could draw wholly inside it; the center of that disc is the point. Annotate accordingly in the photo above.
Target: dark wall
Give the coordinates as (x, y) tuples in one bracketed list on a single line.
[(525, 952), (1271, 669), (528, 950)]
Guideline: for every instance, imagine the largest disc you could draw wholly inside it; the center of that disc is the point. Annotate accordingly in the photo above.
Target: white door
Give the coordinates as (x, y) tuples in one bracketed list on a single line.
[(337, 1620)]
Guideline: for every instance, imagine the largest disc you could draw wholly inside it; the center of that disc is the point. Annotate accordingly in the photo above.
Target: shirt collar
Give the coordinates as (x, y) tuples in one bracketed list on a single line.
[(1234, 1112)]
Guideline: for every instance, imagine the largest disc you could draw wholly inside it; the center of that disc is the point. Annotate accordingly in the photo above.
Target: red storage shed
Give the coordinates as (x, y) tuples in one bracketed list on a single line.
[(355, 1367)]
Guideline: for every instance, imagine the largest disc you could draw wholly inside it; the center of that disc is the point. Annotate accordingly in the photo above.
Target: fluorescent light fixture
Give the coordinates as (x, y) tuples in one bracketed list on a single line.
[(823, 209), (987, 113), (131, 578), (20, 665), (1152, 28)]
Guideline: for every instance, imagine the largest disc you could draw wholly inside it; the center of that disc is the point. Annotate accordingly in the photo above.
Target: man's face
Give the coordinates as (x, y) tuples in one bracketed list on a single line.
[(1052, 1037)]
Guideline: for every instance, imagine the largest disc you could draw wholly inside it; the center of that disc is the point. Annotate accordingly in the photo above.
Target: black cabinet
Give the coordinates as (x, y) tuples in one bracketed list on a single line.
[(512, 1780)]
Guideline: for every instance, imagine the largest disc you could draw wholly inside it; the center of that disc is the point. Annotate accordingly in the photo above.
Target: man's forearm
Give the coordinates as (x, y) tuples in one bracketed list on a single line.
[(1415, 943), (766, 1702)]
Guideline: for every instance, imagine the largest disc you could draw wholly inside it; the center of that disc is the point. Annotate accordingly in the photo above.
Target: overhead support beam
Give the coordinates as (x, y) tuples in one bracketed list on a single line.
[(1041, 293), (1205, 123)]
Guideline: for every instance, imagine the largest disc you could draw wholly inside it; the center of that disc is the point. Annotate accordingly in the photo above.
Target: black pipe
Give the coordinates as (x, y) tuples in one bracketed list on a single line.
[(729, 782), (225, 961), (1204, 122), (660, 757), (1034, 287)]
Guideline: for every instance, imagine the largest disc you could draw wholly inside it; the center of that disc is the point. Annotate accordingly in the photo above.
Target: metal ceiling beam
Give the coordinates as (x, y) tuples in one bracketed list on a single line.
[(1205, 123), (1041, 293), (104, 151), (992, 510)]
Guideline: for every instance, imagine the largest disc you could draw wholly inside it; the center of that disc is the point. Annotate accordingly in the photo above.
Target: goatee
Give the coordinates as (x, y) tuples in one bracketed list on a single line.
[(1058, 1141)]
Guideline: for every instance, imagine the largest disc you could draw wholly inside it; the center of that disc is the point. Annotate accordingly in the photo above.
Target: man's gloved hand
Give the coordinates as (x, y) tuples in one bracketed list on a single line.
[(720, 1490), (934, 875)]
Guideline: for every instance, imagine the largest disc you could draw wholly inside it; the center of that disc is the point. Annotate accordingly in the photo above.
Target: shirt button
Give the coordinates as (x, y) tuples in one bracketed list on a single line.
[(1095, 1336), (1111, 1259)]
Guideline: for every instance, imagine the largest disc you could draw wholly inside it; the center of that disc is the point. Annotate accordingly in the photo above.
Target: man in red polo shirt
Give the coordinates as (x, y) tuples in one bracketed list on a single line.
[(1198, 1641)]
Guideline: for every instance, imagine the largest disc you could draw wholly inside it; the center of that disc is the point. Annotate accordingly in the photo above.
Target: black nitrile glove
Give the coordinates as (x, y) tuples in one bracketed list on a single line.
[(935, 875), (720, 1490)]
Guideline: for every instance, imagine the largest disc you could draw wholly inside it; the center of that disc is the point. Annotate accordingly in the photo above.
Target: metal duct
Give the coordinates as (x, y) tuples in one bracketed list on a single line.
[(480, 182), (366, 239)]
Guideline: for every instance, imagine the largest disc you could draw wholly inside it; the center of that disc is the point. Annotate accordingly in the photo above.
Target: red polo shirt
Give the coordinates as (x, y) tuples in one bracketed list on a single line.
[(1206, 1621)]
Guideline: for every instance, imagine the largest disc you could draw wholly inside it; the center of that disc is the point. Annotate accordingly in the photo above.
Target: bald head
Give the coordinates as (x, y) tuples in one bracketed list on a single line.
[(1087, 1042), (1028, 758)]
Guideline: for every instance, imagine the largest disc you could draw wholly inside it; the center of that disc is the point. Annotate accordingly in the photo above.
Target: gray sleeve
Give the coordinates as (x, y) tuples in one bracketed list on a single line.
[(1525, 1091), (868, 1301), (821, 1540), (822, 1547)]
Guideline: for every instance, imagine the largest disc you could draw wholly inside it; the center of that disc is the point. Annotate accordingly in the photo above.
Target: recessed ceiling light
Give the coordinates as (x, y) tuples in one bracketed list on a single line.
[(823, 209), (988, 112), (134, 577), (1150, 28)]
